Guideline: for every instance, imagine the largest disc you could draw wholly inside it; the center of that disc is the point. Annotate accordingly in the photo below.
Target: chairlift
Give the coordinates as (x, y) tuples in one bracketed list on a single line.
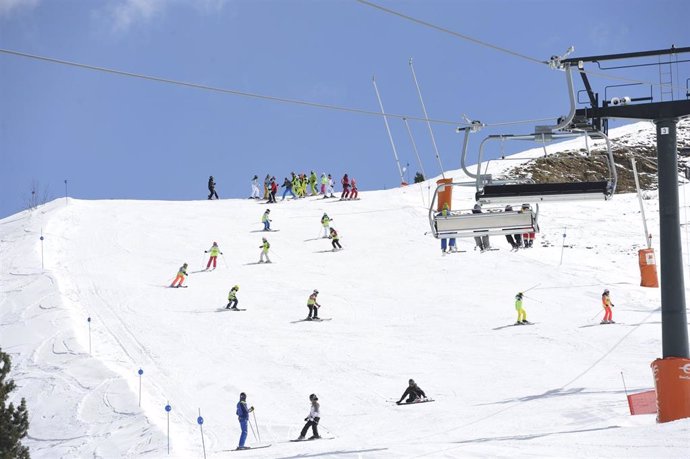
[(511, 192), (491, 222)]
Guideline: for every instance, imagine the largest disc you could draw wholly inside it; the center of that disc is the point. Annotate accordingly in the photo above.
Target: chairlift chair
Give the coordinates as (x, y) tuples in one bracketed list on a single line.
[(491, 222)]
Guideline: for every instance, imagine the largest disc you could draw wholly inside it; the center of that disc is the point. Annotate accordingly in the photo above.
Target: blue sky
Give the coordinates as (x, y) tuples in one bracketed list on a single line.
[(117, 137)]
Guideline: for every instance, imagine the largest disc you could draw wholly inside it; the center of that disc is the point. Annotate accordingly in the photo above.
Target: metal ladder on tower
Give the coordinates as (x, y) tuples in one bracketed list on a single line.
[(666, 77)]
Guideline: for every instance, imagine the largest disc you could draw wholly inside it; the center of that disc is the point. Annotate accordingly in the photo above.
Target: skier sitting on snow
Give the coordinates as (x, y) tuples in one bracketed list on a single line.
[(312, 419), (214, 255), (414, 393), (266, 221), (232, 298), (243, 416), (181, 274)]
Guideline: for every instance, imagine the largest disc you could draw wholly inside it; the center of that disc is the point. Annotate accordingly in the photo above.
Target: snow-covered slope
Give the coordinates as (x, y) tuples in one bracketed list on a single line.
[(400, 310)]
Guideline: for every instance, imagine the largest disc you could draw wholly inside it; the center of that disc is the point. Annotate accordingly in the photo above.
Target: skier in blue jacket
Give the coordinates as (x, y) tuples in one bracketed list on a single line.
[(243, 416)]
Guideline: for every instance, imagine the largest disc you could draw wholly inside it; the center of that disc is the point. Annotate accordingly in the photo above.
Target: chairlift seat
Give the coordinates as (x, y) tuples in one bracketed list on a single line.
[(540, 192), (485, 224)]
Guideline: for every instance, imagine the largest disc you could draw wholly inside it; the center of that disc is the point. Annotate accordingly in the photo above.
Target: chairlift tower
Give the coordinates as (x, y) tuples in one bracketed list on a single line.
[(672, 372)]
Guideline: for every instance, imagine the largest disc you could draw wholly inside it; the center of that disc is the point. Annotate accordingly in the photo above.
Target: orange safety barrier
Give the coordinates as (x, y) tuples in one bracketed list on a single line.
[(445, 194), (648, 276), (672, 381), (642, 402)]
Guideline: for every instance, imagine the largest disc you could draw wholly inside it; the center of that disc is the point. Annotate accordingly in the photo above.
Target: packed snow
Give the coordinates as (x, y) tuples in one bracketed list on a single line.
[(399, 309)]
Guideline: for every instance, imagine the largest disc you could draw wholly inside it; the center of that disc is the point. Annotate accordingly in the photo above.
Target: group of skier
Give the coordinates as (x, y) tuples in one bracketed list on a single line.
[(297, 185), (413, 392)]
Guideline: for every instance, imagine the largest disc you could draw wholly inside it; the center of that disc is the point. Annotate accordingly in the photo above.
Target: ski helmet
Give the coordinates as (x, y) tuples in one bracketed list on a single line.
[(215, 243), (606, 292), (412, 383), (313, 397), (236, 287), (243, 396), (519, 295), (263, 239), (316, 291), (268, 211)]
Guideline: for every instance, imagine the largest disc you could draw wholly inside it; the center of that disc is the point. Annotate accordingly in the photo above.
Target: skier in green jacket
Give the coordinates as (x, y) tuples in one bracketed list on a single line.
[(214, 251)]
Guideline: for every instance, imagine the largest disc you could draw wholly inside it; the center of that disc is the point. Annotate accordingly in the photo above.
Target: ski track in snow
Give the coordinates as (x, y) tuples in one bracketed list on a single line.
[(398, 310)]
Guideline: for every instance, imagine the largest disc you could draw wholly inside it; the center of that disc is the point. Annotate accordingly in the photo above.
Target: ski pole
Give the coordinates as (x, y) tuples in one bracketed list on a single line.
[(257, 425), (250, 425), (224, 261), (203, 257), (535, 285), (595, 315)]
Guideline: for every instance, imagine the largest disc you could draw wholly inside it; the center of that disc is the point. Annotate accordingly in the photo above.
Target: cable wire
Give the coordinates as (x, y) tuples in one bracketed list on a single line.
[(255, 95), (225, 90), (451, 32)]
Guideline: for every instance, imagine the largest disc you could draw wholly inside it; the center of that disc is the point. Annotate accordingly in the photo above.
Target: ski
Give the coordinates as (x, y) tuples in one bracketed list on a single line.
[(415, 403), (247, 448), (312, 439), (178, 286), (229, 309), (312, 320), (265, 231)]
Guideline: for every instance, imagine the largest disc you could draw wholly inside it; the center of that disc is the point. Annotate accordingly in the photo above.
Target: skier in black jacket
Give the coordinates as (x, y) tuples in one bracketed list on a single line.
[(414, 393), (212, 188)]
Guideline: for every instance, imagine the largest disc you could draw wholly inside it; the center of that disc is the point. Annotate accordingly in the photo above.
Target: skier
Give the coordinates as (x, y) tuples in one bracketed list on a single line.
[(522, 314), (331, 186), (243, 416), (312, 419), (483, 241), (232, 298), (345, 182), (324, 183), (181, 274), (414, 393), (214, 250), (509, 237), (312, 184), (273, 191), (527, 238), (606, 303), (288, 188), (264, 251), (313, 305), (325, 221), (266, 221), (353, 192), (445, 212), (212, 188), (335, 238), (267, 186), (255, 188)]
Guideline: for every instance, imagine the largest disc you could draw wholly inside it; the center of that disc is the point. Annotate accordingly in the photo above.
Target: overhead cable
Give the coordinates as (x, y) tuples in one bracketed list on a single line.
[(248, 94)]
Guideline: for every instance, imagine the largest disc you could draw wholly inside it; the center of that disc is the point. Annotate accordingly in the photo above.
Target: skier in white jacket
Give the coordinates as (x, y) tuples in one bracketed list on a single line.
[(312, 419)]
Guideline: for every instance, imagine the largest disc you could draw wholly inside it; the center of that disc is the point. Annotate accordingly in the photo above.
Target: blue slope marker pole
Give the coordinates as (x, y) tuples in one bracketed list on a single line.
[(88, 319), (200, 421), (167, 411), (141, 372), (65, 191)]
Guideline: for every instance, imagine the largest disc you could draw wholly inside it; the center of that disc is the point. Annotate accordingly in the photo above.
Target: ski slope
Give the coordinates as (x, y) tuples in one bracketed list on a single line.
[(399, 310)]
